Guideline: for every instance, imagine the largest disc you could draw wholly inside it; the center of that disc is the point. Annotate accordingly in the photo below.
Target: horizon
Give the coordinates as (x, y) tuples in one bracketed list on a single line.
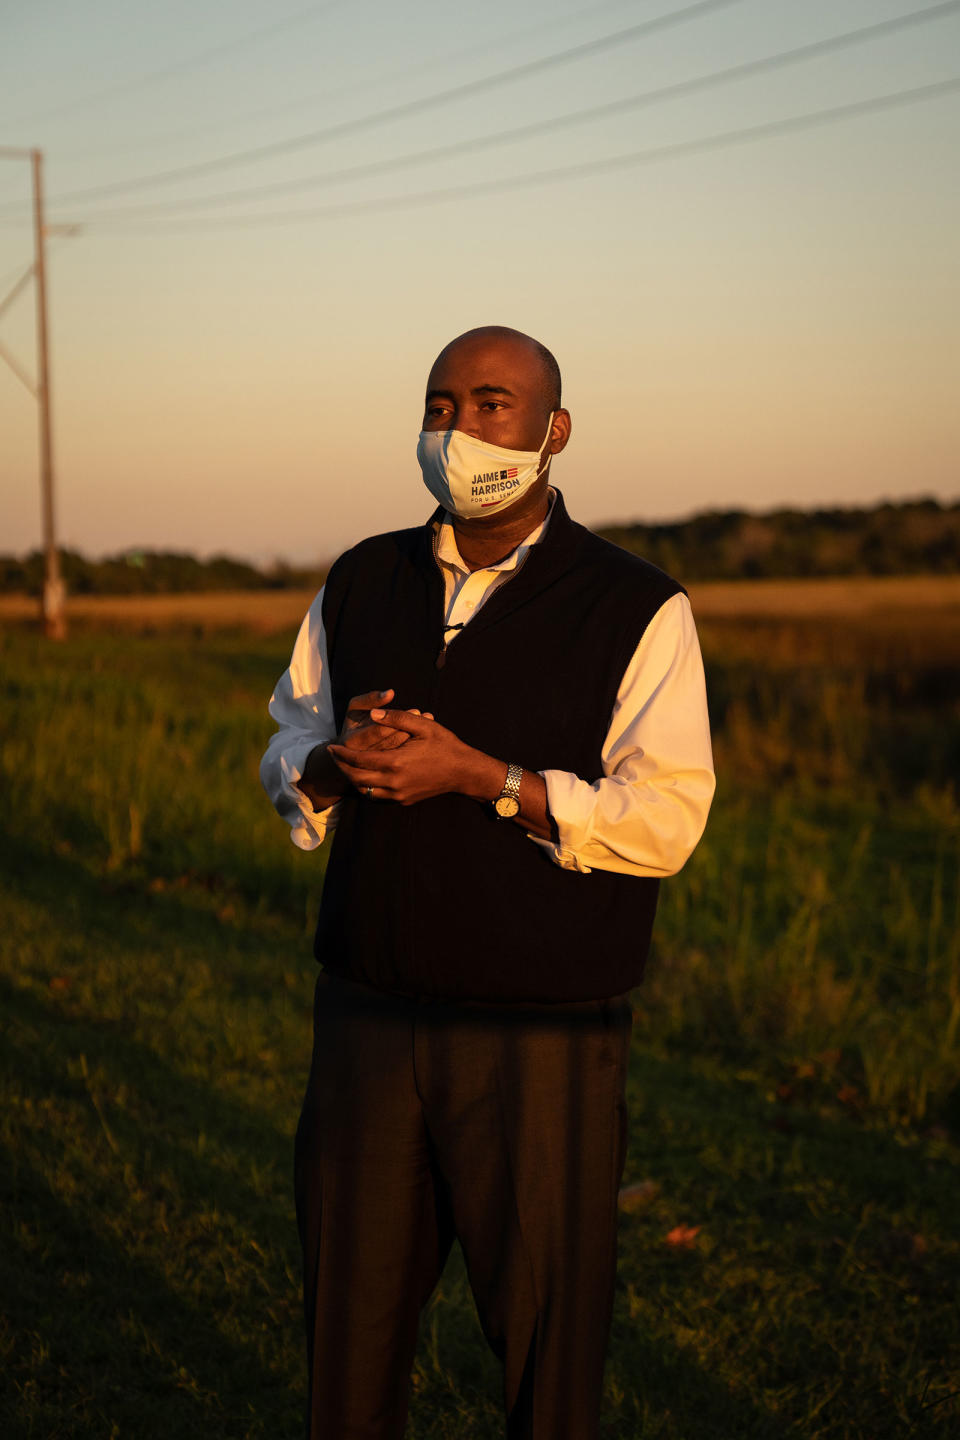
[(267, 563)]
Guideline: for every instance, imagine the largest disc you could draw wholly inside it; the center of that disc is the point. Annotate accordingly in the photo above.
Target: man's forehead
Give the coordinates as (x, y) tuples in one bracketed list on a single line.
[(491, 362)]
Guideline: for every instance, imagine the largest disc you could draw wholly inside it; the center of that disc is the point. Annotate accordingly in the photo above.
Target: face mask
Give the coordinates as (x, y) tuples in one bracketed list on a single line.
[(468, 477)]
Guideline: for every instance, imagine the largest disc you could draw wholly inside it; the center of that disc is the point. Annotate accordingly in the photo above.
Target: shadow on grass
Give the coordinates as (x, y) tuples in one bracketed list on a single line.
[(148, 1271), (818, 1291), (671, 1394), (128, 909), (162, 1115), (691, 1108), (101, 1344)]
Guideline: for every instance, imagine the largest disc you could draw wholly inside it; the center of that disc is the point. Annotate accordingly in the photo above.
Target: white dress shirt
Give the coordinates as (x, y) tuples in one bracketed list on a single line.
[(642, 816)]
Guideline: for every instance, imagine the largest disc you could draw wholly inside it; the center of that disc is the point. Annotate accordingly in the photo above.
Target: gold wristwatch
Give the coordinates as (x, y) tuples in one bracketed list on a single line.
[(507, 803)]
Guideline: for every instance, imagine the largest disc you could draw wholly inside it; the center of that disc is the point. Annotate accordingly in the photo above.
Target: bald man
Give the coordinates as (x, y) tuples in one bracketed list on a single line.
[(502, 720)]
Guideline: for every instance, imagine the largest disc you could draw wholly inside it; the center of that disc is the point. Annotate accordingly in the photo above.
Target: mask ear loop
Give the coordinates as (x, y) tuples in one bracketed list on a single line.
[(546, 442)]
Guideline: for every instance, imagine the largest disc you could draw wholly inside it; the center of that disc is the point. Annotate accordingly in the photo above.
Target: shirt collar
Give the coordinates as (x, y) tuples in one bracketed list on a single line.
[(448, 553)]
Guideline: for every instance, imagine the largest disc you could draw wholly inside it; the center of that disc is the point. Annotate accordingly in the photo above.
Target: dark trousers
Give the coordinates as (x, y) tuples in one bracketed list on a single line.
[(501, 1125)]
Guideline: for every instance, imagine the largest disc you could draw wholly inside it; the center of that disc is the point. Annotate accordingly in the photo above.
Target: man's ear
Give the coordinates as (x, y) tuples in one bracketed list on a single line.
[(559, 431)]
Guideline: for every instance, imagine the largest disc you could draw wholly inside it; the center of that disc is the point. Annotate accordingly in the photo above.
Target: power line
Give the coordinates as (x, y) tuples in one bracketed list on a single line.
[(396, 112), (25, 277), (192, 62), (55, 236), (9, 275), (471, 52), (813, 50), (792, 124)]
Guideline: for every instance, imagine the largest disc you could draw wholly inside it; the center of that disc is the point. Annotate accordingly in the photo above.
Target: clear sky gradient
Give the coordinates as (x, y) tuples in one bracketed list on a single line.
[(754, 321)]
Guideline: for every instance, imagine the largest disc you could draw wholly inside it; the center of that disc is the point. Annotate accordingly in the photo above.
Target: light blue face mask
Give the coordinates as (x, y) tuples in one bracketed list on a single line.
[(469, 477)]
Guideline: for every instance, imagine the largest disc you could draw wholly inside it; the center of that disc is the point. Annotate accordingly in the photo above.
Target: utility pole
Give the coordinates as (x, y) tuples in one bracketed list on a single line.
[(54, 622)]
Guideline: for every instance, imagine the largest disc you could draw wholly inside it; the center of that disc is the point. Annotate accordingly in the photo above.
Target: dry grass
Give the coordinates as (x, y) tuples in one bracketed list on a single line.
[(873, 599), (260, 612), (848, 597)]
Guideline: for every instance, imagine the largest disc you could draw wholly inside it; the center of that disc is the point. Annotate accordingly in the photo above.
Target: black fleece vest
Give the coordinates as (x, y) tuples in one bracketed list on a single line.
[(443, 898)]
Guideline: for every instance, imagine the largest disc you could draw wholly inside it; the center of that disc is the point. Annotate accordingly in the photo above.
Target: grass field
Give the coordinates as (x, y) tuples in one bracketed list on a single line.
[(794, 1089)]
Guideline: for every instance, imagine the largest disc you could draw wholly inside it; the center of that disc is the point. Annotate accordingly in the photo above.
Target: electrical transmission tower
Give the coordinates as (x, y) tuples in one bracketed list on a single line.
[(54, 622)]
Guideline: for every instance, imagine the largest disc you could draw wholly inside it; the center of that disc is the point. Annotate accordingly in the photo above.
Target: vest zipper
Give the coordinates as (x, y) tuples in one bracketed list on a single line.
[(441, 659)]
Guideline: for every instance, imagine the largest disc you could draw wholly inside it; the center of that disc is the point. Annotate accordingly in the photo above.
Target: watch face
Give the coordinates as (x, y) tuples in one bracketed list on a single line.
[(506, 806)]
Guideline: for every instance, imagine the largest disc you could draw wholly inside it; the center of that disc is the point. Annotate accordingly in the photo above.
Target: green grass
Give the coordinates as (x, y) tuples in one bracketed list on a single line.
[(794, 1087)]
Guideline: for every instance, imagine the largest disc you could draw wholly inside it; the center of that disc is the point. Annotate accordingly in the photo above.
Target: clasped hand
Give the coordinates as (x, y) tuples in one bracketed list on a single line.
[(399, 755)]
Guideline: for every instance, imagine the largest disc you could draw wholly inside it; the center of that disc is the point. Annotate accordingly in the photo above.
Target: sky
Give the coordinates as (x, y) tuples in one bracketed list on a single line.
[(750, 281)]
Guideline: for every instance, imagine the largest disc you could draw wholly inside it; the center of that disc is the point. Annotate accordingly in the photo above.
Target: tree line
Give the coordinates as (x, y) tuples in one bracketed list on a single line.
[(914, 537), (150, 572), (907, 538)]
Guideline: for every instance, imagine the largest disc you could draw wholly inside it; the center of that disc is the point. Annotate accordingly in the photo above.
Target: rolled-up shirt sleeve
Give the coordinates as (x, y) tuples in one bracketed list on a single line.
[(302, 706), (647, 811)]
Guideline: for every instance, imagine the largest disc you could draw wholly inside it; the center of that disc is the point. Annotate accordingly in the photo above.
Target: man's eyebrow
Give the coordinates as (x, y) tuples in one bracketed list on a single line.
[(477, 390)]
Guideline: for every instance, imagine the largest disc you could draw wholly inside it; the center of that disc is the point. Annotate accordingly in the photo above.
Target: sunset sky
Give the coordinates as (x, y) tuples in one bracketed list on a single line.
[(742, 319)]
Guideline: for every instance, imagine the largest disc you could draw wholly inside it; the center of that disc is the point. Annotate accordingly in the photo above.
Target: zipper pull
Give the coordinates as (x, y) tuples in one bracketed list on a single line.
[(442, 657)]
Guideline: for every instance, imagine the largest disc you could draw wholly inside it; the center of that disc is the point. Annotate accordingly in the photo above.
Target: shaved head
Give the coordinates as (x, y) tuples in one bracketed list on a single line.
[(547, 365)]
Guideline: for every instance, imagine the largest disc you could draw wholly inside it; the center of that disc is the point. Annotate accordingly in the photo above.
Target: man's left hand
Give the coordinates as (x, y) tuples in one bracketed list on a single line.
[(433, 761)]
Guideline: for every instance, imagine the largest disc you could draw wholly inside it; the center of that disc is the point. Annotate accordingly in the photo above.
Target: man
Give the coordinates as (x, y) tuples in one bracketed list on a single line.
[(503, 717)]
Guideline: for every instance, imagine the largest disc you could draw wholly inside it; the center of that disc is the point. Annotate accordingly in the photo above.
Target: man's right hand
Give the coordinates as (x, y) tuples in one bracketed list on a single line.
[(359, 732), (323, 782)]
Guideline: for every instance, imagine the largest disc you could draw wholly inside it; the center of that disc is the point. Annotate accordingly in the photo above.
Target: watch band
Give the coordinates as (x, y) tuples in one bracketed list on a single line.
[(511, 786)]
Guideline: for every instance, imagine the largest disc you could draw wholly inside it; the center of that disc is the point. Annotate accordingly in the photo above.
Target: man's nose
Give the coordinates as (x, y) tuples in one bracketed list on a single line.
[(466, 420)]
